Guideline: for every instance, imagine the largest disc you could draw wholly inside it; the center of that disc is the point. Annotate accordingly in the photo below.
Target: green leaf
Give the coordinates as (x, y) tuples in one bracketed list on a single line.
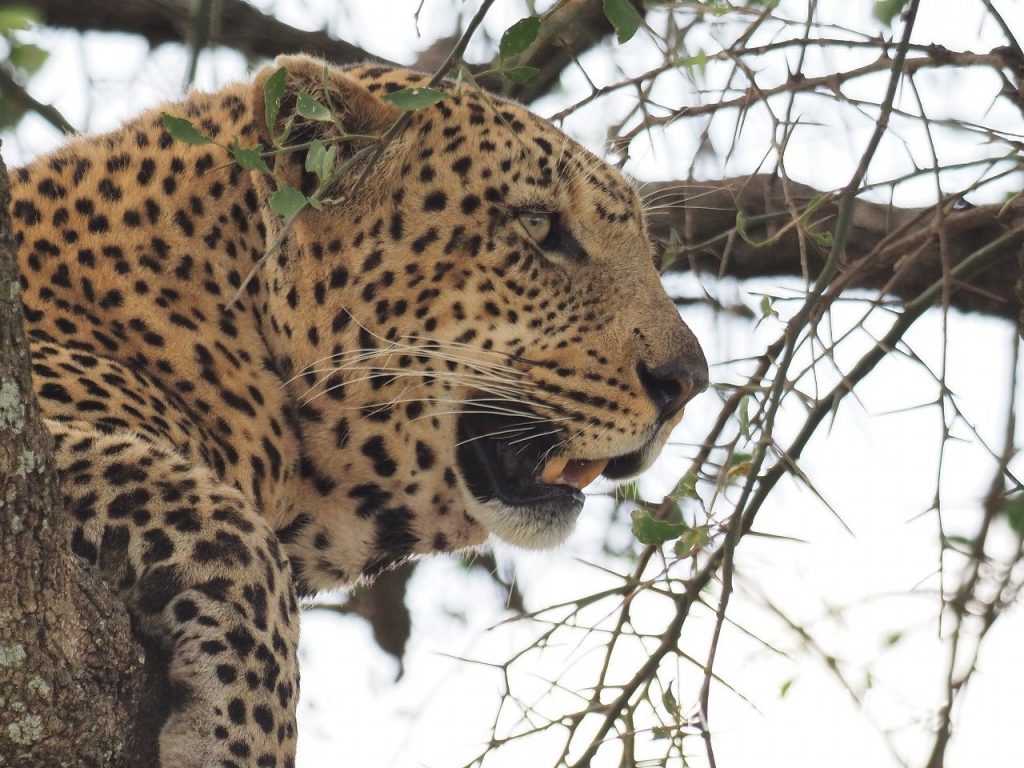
[(686, 488), (17, 17), (183, 130), (669, 700), (767, 309), (1013, 508), (784, 688), (959, 543), (248, 158), (273, 92), (661, 732), (623, 17), (696, 63), (310, 108), (320, 160), (518, 37), (739, 457), (821, 238), (739, 466), (315, 157), (27, 57), (287, 202), (692, 541), (887, 10), (520, 74), (327, 166), (650, 531), (741, 229), (414, 98), (744, 414)]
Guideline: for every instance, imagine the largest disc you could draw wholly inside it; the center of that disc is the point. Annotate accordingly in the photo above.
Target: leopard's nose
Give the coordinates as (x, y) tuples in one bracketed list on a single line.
[(673, 383)]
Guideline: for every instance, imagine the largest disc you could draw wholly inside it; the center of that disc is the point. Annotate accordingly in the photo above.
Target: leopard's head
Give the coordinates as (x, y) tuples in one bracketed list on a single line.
[(478, 328)]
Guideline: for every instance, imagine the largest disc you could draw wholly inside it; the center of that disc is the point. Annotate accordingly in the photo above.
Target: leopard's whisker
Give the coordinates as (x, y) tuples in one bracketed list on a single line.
[(477, 382), (493, 372), (534, 437), (491, 435), (461, 411), (510, 384)]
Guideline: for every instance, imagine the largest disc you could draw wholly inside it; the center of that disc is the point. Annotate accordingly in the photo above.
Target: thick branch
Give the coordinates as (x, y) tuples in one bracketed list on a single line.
[(569, 29), (895, 249), (239, 26)]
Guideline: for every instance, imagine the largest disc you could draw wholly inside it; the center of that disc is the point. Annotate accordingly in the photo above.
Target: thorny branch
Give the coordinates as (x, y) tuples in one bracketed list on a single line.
[(731, 228)]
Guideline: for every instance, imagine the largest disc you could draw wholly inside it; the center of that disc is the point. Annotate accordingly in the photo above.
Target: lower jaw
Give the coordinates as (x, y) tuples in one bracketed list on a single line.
[(507, 499), (630, 465), (541, 525)]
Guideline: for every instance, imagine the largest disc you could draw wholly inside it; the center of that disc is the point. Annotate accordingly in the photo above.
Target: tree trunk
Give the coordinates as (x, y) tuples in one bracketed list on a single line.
[(71, 677)]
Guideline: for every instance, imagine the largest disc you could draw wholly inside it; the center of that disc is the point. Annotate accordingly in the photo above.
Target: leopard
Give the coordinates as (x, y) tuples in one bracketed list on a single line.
[(247, 411)]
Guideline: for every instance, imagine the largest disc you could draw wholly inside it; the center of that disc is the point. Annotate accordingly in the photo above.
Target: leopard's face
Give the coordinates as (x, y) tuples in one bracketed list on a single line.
[(488, 333)]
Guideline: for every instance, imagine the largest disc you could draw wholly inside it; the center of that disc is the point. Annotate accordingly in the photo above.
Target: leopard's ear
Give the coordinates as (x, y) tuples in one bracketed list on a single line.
[(356, 109)]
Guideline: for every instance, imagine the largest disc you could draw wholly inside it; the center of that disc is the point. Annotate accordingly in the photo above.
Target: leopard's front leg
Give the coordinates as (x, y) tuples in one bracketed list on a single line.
[(204, 577)]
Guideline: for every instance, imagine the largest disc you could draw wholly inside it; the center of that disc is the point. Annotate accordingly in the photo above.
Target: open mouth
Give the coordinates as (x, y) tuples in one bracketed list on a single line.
[(503, 460)]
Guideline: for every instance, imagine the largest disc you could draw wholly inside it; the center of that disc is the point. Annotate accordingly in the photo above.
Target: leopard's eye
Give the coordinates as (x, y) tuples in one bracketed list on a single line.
[(538, 224)]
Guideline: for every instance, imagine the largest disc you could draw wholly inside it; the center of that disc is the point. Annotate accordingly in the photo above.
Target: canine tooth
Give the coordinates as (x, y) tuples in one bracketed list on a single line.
[(588, 472), (553, 469)]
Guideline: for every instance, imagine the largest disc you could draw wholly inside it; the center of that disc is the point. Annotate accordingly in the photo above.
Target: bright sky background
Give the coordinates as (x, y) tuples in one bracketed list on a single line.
[(876, 466)]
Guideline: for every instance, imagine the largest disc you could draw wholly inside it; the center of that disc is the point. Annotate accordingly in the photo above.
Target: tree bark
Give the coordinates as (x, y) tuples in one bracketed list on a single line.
[(70, 672), (238, 25), (898, 251)]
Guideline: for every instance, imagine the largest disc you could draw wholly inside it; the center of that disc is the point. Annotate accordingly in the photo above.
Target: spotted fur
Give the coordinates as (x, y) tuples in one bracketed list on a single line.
[(218, 458)]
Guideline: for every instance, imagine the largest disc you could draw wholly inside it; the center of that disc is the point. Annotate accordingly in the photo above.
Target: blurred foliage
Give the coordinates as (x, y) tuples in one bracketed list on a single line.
[(20, 59)]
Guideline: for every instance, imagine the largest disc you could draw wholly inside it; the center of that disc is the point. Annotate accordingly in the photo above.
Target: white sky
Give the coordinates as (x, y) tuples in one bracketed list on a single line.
[(876, 470)]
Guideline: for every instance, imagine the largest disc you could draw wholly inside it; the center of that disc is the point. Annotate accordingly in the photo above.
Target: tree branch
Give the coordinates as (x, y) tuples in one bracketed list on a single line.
[(239, 26), (569, 29), (895, 249), (25, 102)]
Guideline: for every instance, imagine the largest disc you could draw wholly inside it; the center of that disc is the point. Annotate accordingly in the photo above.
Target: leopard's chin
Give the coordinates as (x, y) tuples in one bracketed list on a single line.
[(522, 489)]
